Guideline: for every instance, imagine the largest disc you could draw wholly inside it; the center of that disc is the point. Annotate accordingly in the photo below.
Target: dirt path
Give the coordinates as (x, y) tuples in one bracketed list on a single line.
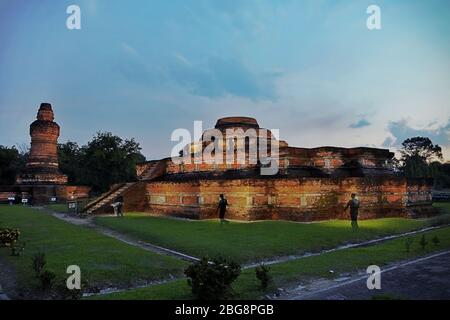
[(420, 278)]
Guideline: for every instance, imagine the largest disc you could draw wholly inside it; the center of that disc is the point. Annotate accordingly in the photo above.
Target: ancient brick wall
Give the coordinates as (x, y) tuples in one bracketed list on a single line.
[(135, 198), (304, 199), (312, 183), (72, 192)]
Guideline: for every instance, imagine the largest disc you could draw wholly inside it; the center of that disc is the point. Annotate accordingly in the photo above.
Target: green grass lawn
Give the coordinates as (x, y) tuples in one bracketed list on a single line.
[(246, 242), (63, 207), (347, 260), (108, 262), (58, 207), (443, 207), (103, 260)]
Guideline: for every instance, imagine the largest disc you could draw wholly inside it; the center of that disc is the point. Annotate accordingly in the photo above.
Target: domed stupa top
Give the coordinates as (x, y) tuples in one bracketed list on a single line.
[(45, 112), (240, 122)]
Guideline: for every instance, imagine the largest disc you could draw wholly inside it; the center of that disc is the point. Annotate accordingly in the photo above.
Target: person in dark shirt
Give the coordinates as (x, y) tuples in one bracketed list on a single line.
[(353, 204), (222, 208)]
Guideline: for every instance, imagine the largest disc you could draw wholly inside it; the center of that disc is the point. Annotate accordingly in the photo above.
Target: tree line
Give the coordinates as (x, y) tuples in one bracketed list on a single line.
[(108, 159), (420, 158), (105, 160)]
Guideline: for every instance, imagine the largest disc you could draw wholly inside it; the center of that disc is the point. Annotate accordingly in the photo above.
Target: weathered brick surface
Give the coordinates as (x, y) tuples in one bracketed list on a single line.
[(42, 163), (312, 184), (72, 192), (136, 197), (304, 199)]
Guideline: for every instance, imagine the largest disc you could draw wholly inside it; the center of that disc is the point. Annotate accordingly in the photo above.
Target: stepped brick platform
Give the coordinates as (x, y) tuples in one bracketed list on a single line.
[(311, 184)]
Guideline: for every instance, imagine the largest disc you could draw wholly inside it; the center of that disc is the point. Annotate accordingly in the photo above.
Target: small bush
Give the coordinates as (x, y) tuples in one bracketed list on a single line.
[(408, 243), (39, 262), (262, 273), (211, 280), (436, 240), (423, 242), (62, 292), (9, 236), (47, 279)]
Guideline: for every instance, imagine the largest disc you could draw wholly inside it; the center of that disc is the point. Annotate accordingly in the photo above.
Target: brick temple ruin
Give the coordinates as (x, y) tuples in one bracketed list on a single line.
[(41, 182), (311, 184)]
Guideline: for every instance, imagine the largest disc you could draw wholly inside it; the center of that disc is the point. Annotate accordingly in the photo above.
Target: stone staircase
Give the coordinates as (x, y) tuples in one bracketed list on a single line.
[(103, 203), (152, 171), (107, 198)]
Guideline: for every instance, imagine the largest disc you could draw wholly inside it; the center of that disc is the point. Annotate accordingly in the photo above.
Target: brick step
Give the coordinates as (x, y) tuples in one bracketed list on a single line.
[(148, 172), (152, 171)]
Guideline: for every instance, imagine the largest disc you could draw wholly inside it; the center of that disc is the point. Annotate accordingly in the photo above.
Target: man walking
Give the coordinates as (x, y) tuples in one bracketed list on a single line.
[(353, 203), (222, 208)]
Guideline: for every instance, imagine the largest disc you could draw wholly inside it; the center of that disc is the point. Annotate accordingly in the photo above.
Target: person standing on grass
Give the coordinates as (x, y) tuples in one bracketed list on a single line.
[(115, 204), (120, 206), (353, 203), (222, 207)]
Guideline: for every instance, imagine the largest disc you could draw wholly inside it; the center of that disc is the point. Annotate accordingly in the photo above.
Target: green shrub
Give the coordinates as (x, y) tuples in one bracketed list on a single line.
[(47, 279), (211, 280), (262, 273), (9, 236), (39, 262), (408, 243), (436, 240), (423, 242), (63, 293)]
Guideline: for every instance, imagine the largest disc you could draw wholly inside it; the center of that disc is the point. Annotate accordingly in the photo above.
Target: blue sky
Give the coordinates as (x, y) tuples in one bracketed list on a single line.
[(309, 68)]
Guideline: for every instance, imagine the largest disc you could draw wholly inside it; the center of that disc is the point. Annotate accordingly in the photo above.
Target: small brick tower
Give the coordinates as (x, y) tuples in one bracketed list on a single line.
[(42, 164), (42, 171)]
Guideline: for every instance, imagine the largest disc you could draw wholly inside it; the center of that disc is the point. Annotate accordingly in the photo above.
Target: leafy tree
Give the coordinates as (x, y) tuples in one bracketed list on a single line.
[(417, 155), (12, 161), (421, 147), (441, 174), (69, 157), (108, 159)]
